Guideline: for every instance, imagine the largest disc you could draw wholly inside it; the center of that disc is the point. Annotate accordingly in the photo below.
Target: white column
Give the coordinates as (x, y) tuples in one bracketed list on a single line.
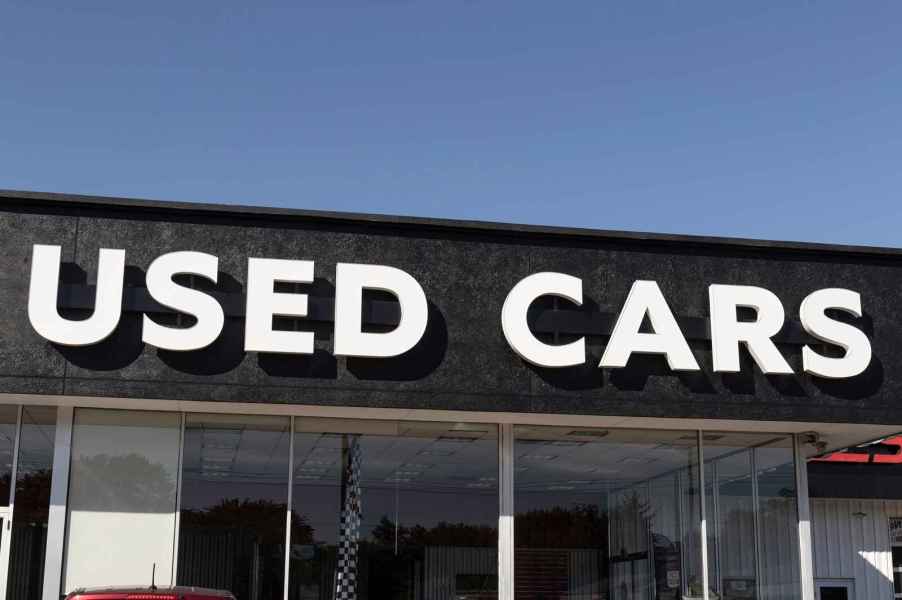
[(59, 490), (806, 562), (177, 517), (506, 514), (756, 515)]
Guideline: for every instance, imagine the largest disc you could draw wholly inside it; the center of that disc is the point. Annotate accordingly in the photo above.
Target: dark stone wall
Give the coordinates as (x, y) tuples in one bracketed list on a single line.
[(849, 480), (463, 362)]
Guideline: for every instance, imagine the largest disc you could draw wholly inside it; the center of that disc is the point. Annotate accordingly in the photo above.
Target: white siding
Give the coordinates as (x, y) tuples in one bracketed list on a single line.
[(851, 541)]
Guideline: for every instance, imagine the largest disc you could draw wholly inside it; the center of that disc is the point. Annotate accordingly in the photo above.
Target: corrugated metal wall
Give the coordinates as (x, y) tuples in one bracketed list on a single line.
[(851, 541)]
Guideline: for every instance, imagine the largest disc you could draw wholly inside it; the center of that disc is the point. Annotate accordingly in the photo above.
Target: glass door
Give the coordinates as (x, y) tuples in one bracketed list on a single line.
[(26, 464)]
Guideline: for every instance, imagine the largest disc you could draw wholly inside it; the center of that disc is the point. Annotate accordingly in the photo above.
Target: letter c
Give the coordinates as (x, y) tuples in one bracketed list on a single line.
[(516, 329)]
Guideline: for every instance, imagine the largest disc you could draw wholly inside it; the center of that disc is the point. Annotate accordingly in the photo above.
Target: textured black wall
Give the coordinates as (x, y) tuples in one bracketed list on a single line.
[(466, 271)]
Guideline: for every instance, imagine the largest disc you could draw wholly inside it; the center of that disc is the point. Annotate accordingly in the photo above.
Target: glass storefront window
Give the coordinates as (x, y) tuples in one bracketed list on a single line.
[(752, 512), (33, 477), (606, 514), (777, 518), (122, 494), (233, 504), (394, 510), (373, 509)]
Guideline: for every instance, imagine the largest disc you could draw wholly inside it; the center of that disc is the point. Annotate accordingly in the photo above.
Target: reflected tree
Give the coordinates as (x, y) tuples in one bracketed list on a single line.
[(122, 483), (578, 526), (443, 534), (33, 496)]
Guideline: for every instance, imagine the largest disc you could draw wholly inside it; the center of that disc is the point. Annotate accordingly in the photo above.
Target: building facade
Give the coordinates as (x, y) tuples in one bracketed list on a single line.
[(304, 405)]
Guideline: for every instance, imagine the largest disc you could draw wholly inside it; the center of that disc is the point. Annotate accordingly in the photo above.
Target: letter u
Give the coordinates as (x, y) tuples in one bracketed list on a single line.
[(44, 287)]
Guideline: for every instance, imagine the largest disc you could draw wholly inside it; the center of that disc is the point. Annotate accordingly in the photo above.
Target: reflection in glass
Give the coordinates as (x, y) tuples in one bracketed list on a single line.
[(122, 490), (777, 520), (33, 475), (606, 514), (751, 508), (394, 510), (234, 502)]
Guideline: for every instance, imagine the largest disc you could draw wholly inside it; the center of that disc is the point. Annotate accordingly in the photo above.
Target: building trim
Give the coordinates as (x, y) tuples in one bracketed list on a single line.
[(244, 215)]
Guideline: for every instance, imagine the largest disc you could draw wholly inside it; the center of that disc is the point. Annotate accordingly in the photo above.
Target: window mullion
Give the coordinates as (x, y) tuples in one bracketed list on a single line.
[(703, 533), (506, 512), (290, 506)]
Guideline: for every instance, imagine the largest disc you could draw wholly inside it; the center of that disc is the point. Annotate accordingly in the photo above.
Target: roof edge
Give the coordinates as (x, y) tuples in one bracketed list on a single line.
[(438, 224)]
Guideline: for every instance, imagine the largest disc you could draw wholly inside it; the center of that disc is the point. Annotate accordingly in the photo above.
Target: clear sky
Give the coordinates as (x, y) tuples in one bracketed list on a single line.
[(759, 119)]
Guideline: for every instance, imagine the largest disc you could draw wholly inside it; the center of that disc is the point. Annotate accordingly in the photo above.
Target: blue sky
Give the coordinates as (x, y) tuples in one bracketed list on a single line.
[(758, 119)]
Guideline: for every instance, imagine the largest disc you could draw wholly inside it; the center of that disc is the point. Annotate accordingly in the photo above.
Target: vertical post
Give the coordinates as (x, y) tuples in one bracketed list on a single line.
[(59, 491), (290, 505), (703, 531), (683, 529), (14, 476), (649, 543), (806, 562), (7, 521), (756, 517), (506, 512), (174, 574), (715, 525)]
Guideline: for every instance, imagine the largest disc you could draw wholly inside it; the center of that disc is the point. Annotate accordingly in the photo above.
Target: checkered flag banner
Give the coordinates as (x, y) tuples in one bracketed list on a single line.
[(349, 525)]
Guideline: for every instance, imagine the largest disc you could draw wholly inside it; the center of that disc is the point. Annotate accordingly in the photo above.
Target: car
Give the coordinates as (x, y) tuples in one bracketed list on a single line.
[(149, 593)]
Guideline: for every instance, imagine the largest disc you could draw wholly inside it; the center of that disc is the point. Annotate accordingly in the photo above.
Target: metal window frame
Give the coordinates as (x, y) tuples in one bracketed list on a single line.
[(703, 528), (506, 547), (9, 511), (681, 515), (756, 517), (715, 523), (178, 502), (290, 507), (14, 475)]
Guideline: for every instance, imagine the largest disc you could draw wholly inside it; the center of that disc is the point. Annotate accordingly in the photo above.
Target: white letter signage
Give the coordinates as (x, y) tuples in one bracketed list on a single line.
[(350, 339), (816, 322), (645, 297), (644, 301), (516, 329), (44, 287), (203, 307), (263, 303), (727, 332)]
